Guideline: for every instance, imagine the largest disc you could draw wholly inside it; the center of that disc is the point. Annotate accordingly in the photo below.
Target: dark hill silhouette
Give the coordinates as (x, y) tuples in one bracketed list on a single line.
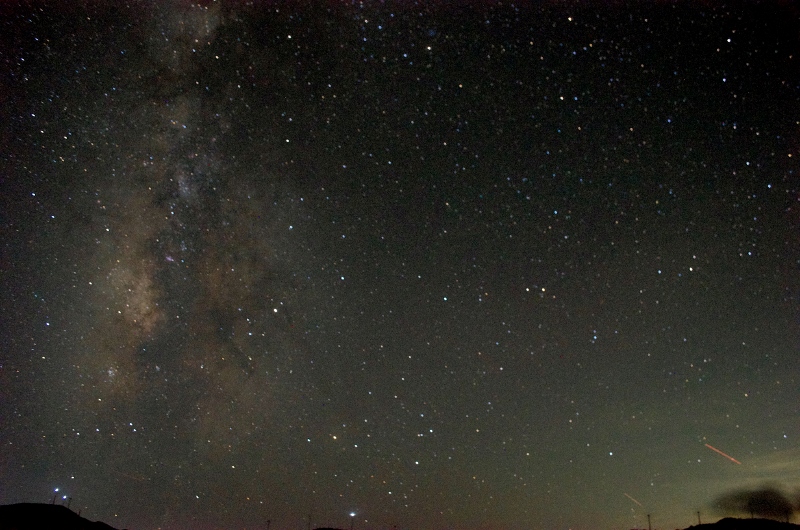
[(732, 523), (31, 516)]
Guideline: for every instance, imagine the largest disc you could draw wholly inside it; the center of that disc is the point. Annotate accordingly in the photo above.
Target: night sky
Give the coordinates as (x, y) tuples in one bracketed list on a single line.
[(439, 265)]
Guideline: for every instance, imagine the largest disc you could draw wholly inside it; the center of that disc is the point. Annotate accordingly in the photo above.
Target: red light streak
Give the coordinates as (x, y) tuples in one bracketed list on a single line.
[(631, 498), (729, 457)]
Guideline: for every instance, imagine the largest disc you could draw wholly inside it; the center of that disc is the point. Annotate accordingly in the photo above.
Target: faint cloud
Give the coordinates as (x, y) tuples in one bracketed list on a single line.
[(767, 501)]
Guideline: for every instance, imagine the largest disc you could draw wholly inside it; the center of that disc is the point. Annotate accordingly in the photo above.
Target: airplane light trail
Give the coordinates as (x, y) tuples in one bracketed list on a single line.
[(631, 498), (729, 457)]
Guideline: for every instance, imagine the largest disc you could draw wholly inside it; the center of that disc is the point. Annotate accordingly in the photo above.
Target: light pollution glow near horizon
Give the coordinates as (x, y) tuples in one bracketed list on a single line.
[(472, 265)]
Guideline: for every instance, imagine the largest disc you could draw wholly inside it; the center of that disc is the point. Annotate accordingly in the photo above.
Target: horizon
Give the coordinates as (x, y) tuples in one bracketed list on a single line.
[(309, 525)]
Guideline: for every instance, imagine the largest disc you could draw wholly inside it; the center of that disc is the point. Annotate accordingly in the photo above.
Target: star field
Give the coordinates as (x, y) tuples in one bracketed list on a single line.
[(399, 265)]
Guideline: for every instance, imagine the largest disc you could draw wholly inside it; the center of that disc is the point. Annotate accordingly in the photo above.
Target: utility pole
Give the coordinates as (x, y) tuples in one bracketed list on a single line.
[(648, 522), (698, 518), (269, 522)]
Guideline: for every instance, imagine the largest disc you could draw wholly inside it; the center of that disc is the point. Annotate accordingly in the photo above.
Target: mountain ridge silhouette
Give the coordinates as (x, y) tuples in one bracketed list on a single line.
[(37, 516), (734, 523)]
